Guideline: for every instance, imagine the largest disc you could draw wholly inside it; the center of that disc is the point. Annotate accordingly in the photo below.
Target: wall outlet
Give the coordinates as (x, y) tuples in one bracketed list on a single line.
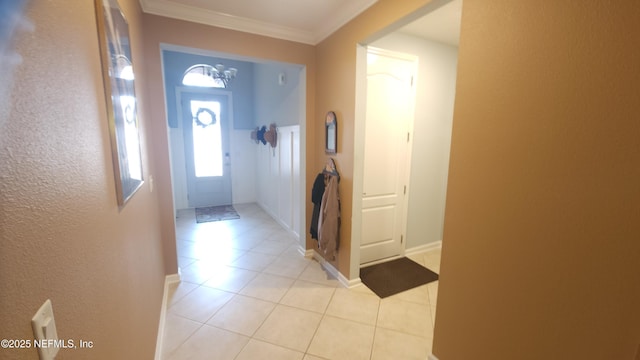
[(44, 331)]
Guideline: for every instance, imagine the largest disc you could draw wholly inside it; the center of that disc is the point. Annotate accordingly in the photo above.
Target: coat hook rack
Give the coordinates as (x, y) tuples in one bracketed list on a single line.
[(330, 168)]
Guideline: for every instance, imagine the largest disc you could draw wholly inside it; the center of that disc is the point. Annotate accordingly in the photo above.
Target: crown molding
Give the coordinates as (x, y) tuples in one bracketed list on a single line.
[(168, 8), (349, 11), (226, 21)]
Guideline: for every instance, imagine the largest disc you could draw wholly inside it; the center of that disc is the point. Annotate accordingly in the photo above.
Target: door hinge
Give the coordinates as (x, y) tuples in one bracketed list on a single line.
[(408, 136), (405, 190), (401, 239)]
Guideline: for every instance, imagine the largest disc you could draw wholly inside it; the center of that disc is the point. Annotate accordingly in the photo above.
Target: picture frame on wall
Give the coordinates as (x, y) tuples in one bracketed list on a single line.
[(331, 133), (118, 75)]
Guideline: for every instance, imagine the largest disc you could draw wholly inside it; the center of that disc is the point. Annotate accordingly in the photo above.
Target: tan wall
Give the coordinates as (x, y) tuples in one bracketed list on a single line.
[(334, 58), (161, 30), (541, 256), (540, 244), (62, 234), (336, 89)]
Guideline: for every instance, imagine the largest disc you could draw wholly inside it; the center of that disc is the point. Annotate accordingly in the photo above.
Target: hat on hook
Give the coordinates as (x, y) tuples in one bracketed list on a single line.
[(271, 136), (257, 135)]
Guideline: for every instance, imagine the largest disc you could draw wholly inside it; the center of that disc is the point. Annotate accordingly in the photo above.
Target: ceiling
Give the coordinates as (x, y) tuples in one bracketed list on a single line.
[(441, 25), (305, 21)]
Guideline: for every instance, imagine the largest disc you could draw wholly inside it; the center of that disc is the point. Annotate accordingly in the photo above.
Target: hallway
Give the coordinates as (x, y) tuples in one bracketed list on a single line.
[(248, 293)]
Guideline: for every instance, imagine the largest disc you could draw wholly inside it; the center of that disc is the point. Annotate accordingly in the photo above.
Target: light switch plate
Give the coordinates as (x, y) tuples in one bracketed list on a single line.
[(44, 328)]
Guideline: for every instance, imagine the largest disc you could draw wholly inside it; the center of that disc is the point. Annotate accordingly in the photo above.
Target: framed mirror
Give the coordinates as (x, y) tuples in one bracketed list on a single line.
[(331, 126), (117, 70)]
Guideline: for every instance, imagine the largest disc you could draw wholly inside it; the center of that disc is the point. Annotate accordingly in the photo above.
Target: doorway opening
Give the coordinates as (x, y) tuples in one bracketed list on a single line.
[(423, 35), (213, 126), (205, 122), (390, 97)]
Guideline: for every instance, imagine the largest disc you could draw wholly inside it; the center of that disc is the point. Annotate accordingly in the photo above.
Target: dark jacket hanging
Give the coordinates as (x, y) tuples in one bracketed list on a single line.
[(316, 198)]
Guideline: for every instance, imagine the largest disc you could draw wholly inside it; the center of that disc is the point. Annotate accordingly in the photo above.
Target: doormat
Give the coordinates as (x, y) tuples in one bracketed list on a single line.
[(395, 276), (216, 213)]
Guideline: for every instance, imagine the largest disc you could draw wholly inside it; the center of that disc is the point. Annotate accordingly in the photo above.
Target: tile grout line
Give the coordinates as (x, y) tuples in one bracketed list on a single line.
[(296, 276), (375, 327), (164, 356)]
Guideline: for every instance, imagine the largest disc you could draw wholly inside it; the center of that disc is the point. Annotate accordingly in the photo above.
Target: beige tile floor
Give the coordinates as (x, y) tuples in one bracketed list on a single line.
[(248, 293)]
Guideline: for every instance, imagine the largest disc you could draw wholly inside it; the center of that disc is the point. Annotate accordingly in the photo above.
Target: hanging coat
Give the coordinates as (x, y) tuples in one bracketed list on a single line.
[(329, 220), (316, 198)]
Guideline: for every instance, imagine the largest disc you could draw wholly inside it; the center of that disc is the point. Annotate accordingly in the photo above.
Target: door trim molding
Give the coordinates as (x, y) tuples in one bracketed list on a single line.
[(358, 160), (179, 171), (362, 51), (168, 281)]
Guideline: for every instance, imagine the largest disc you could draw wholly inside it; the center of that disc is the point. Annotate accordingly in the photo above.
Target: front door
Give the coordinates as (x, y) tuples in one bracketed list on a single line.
[(206, 138), (389, 118)]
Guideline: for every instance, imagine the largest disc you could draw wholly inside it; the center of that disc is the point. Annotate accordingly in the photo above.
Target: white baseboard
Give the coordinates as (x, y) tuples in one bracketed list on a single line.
[(353, 282), (423, 248), (168, 280), (432, 357), (275, 218), (308, 253), (333, 271)]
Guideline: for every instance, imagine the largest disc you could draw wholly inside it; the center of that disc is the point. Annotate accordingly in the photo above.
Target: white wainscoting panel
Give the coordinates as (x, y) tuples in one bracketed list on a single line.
[(278, 177)]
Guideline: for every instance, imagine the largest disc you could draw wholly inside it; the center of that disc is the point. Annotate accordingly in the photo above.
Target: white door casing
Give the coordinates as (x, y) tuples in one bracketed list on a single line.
[(206, 190), (387, 153)]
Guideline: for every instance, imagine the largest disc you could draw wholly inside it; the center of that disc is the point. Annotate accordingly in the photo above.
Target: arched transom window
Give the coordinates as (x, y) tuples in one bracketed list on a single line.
[(201, 75)]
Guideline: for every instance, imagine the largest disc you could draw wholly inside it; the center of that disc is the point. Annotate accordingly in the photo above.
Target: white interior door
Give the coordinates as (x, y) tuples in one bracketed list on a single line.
[(206, 140), (389, 119)]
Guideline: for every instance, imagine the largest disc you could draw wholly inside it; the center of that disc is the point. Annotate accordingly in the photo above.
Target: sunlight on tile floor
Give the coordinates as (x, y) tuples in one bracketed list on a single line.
[(248, 293)]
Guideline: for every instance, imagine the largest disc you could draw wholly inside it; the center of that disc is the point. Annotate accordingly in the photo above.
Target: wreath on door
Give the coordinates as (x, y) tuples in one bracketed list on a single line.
[(207, 120)]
